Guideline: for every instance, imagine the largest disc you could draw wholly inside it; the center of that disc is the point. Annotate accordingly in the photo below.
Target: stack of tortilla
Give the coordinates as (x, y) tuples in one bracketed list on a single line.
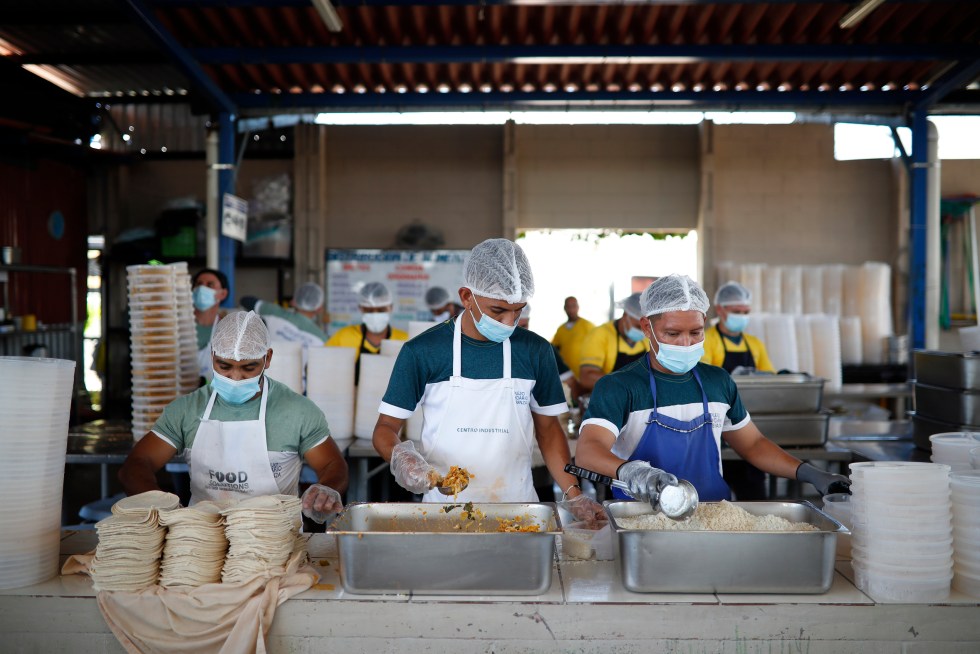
[(130, 543), (262, 532), (194, 551)]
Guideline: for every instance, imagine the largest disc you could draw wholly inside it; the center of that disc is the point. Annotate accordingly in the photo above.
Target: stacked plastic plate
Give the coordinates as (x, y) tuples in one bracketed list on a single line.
[(35, 401), (159, 311), (902, 540), (330, 385), (953, 448), (966, 531)]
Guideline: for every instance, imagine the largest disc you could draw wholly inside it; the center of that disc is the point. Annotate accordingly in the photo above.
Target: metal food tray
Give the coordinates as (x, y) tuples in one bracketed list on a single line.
[(803, 429), (948, 369), (923, 428), (728, 561), (947, 404), (412, 547), (794, 393)]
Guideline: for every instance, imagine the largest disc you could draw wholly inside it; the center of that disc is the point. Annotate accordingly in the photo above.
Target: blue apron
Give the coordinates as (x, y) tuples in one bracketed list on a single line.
[(685, 448)]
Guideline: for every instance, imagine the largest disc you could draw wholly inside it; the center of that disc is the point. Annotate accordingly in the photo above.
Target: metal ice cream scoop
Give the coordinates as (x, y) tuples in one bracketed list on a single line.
[(676, 502)]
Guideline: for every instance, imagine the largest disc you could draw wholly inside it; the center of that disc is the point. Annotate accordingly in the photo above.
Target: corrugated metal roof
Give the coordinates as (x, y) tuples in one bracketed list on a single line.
[(264, 56)]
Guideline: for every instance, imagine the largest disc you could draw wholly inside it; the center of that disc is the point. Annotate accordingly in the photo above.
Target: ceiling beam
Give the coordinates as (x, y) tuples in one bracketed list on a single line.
[(183, 60), (959, 75), (475, 3), (622, 100), (584, 54)]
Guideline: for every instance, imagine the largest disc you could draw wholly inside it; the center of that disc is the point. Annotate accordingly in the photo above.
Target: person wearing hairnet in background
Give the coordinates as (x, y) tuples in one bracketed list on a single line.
[(728, 346), (209, 288), (375, 304), (613, 345), (301, 323), (485, 387), (441, 304), (662, 418), (244, 434)]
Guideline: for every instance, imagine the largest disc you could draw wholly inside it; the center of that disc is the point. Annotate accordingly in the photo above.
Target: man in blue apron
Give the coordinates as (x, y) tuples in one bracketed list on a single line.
[(663, 417), (244, 434), (486, 388)]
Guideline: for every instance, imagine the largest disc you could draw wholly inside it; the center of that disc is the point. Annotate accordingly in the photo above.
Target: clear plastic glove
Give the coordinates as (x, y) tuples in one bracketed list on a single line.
[(411, 471), (825, 482), (320, 502), (588, 513), (645, 482)]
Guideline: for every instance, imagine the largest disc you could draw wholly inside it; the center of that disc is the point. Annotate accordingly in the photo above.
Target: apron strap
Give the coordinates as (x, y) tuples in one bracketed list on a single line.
[(458, 349), (207, 411), (654, 414), (265, 399)]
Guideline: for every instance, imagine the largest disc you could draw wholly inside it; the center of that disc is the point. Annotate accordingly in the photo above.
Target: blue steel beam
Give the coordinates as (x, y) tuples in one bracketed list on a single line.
[(226, 157), (640, 100), (917, 230), (183, 60), (956, 77), (584, 54), (477, 3)]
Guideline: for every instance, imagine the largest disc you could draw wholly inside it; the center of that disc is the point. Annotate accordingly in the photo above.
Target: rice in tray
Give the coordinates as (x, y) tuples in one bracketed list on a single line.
[(715, 516)]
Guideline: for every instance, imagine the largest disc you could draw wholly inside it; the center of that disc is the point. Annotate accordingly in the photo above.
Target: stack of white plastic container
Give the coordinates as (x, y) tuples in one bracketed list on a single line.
[(287, 364), (330, 385), (953, 448), (902, 539), (859, 297), (966, 531), (35, 402), (163, 342), (375, 373)]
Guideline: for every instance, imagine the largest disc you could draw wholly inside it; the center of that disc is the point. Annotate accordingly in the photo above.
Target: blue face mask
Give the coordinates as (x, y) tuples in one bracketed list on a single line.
[(491, 329), (205, 297), (635, 334), (736, 322), (678, 358), (236, 392)]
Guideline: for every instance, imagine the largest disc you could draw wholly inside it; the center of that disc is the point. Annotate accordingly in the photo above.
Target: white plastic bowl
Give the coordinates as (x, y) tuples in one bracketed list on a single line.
[(886, 588), (966, 584)]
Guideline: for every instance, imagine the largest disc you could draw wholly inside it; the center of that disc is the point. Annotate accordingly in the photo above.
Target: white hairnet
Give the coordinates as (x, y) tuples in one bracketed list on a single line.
[(631, 306), (673, 293), (731, 293), (241, 335), (499, 269), (374, 294), (308, 297), (437, 297)]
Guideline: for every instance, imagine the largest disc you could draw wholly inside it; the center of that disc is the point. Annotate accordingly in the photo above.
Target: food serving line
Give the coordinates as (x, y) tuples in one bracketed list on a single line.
[(586, 608)]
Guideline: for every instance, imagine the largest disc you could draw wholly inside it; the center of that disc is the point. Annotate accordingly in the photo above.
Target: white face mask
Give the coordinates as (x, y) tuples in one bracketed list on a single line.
[(376, 322), (441, 317)]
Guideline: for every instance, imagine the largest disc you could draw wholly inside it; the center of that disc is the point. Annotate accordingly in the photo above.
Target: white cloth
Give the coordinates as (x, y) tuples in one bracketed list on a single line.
[(230, 460), (482, 428)]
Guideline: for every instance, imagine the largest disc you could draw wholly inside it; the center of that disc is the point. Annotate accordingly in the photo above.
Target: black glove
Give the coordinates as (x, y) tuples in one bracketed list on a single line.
[(248, 302), (825, 482)]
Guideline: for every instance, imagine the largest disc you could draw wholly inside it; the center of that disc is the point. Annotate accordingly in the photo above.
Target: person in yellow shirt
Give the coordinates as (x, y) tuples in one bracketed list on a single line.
[(569, 337), (727, 346), (612, 345), (375, 303)]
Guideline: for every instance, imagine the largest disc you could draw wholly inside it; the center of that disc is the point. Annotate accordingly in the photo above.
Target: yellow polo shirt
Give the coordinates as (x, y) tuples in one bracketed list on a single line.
[(714, 350), (568, 339), (351, 336), (603, 344)]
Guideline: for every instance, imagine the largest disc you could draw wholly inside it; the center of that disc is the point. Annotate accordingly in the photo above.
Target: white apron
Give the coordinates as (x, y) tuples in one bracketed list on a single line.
[(230, 460), (485, 431)]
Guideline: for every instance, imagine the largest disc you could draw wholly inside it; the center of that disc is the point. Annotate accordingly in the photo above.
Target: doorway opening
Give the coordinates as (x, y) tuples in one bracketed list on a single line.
[(599, 267)]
